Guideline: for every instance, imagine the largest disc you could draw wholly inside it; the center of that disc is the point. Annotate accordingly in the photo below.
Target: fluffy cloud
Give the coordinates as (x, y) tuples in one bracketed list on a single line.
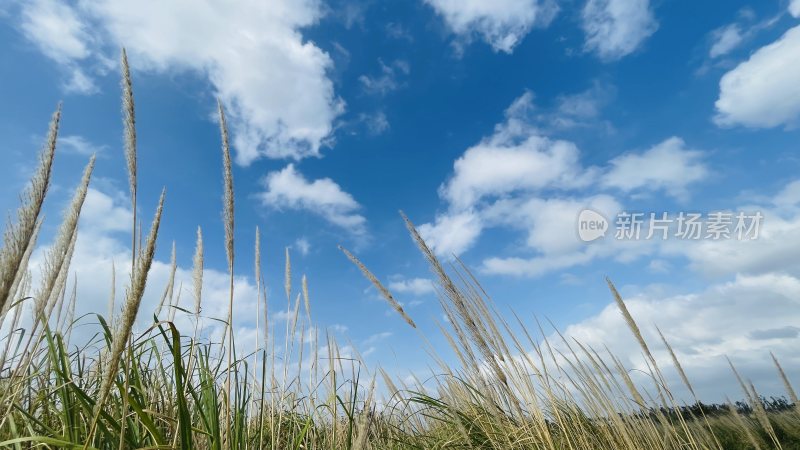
[(289, 189), (502, 24), (668, 166), (413, 286), (763, 92), (516, 157), (518, 178), (274, 83), (616, 28), (452, 233), (57, 30)]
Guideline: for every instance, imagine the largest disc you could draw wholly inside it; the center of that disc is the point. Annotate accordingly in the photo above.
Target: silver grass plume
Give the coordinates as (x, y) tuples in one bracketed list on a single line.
[(785, 379), (305, 298), (197, 271), (129, 123), (18, 289), (170, 288), (133, 299), (227, 200), (18, 236), (57, 256), (385, 292), (287, 276)]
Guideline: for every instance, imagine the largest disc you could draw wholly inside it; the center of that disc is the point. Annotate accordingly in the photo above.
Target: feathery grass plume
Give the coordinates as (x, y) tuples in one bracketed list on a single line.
[(18, 236), (197, 271), (287, 276), (228, 199), (133, 299), (452, 293), (169, 290), (61, 280), (305, 298), (17, 288), (57, 256), (631, 323), (785, 379), (385, 292), (228, 218), (129, 123), (677, 363)]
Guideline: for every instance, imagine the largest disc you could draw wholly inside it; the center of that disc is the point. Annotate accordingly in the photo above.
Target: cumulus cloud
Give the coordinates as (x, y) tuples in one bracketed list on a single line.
[(762, 92), (518, 178), (667, 166), (413, 286), (273, 82), (502, 24), (616, 28), (452, 234), (288, 188)]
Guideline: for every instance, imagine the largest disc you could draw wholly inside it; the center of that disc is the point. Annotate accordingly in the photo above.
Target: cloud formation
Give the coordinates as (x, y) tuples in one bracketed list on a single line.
[(501, 23), (763, 92), (288, 188), (273, 82), (617, 28)]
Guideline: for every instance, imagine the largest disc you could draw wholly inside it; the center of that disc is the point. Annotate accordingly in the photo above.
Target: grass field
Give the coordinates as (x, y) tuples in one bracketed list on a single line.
[(164, 387)]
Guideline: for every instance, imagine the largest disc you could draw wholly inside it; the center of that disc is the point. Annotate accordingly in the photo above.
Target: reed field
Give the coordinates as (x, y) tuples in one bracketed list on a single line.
[(141, 382)]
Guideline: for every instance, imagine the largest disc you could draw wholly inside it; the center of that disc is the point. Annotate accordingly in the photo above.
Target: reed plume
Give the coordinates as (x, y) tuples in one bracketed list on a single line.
[(133, 299), (129, 125), (57, 256), (786, 384), (197, 271), (384, 292), (19, 235)]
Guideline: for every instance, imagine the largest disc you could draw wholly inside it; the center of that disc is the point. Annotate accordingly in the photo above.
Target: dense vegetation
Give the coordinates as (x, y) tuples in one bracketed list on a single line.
[(164, 387)]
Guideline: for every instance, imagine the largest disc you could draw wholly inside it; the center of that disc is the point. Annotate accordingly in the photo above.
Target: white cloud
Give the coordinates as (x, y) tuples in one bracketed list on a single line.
[(273, 82), (452, 233), (794, 8), (502, 182), (501, 23), (56, 29), (516, 157), (289, 189), (725, 40), (763, 92), (79, 145), (60, 34), (616, 28), (387, 81), (760, 313), (667, 166), (413, 286)]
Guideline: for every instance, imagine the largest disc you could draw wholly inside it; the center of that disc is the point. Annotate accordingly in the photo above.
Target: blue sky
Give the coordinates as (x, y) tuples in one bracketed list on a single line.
[(490, 124)]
